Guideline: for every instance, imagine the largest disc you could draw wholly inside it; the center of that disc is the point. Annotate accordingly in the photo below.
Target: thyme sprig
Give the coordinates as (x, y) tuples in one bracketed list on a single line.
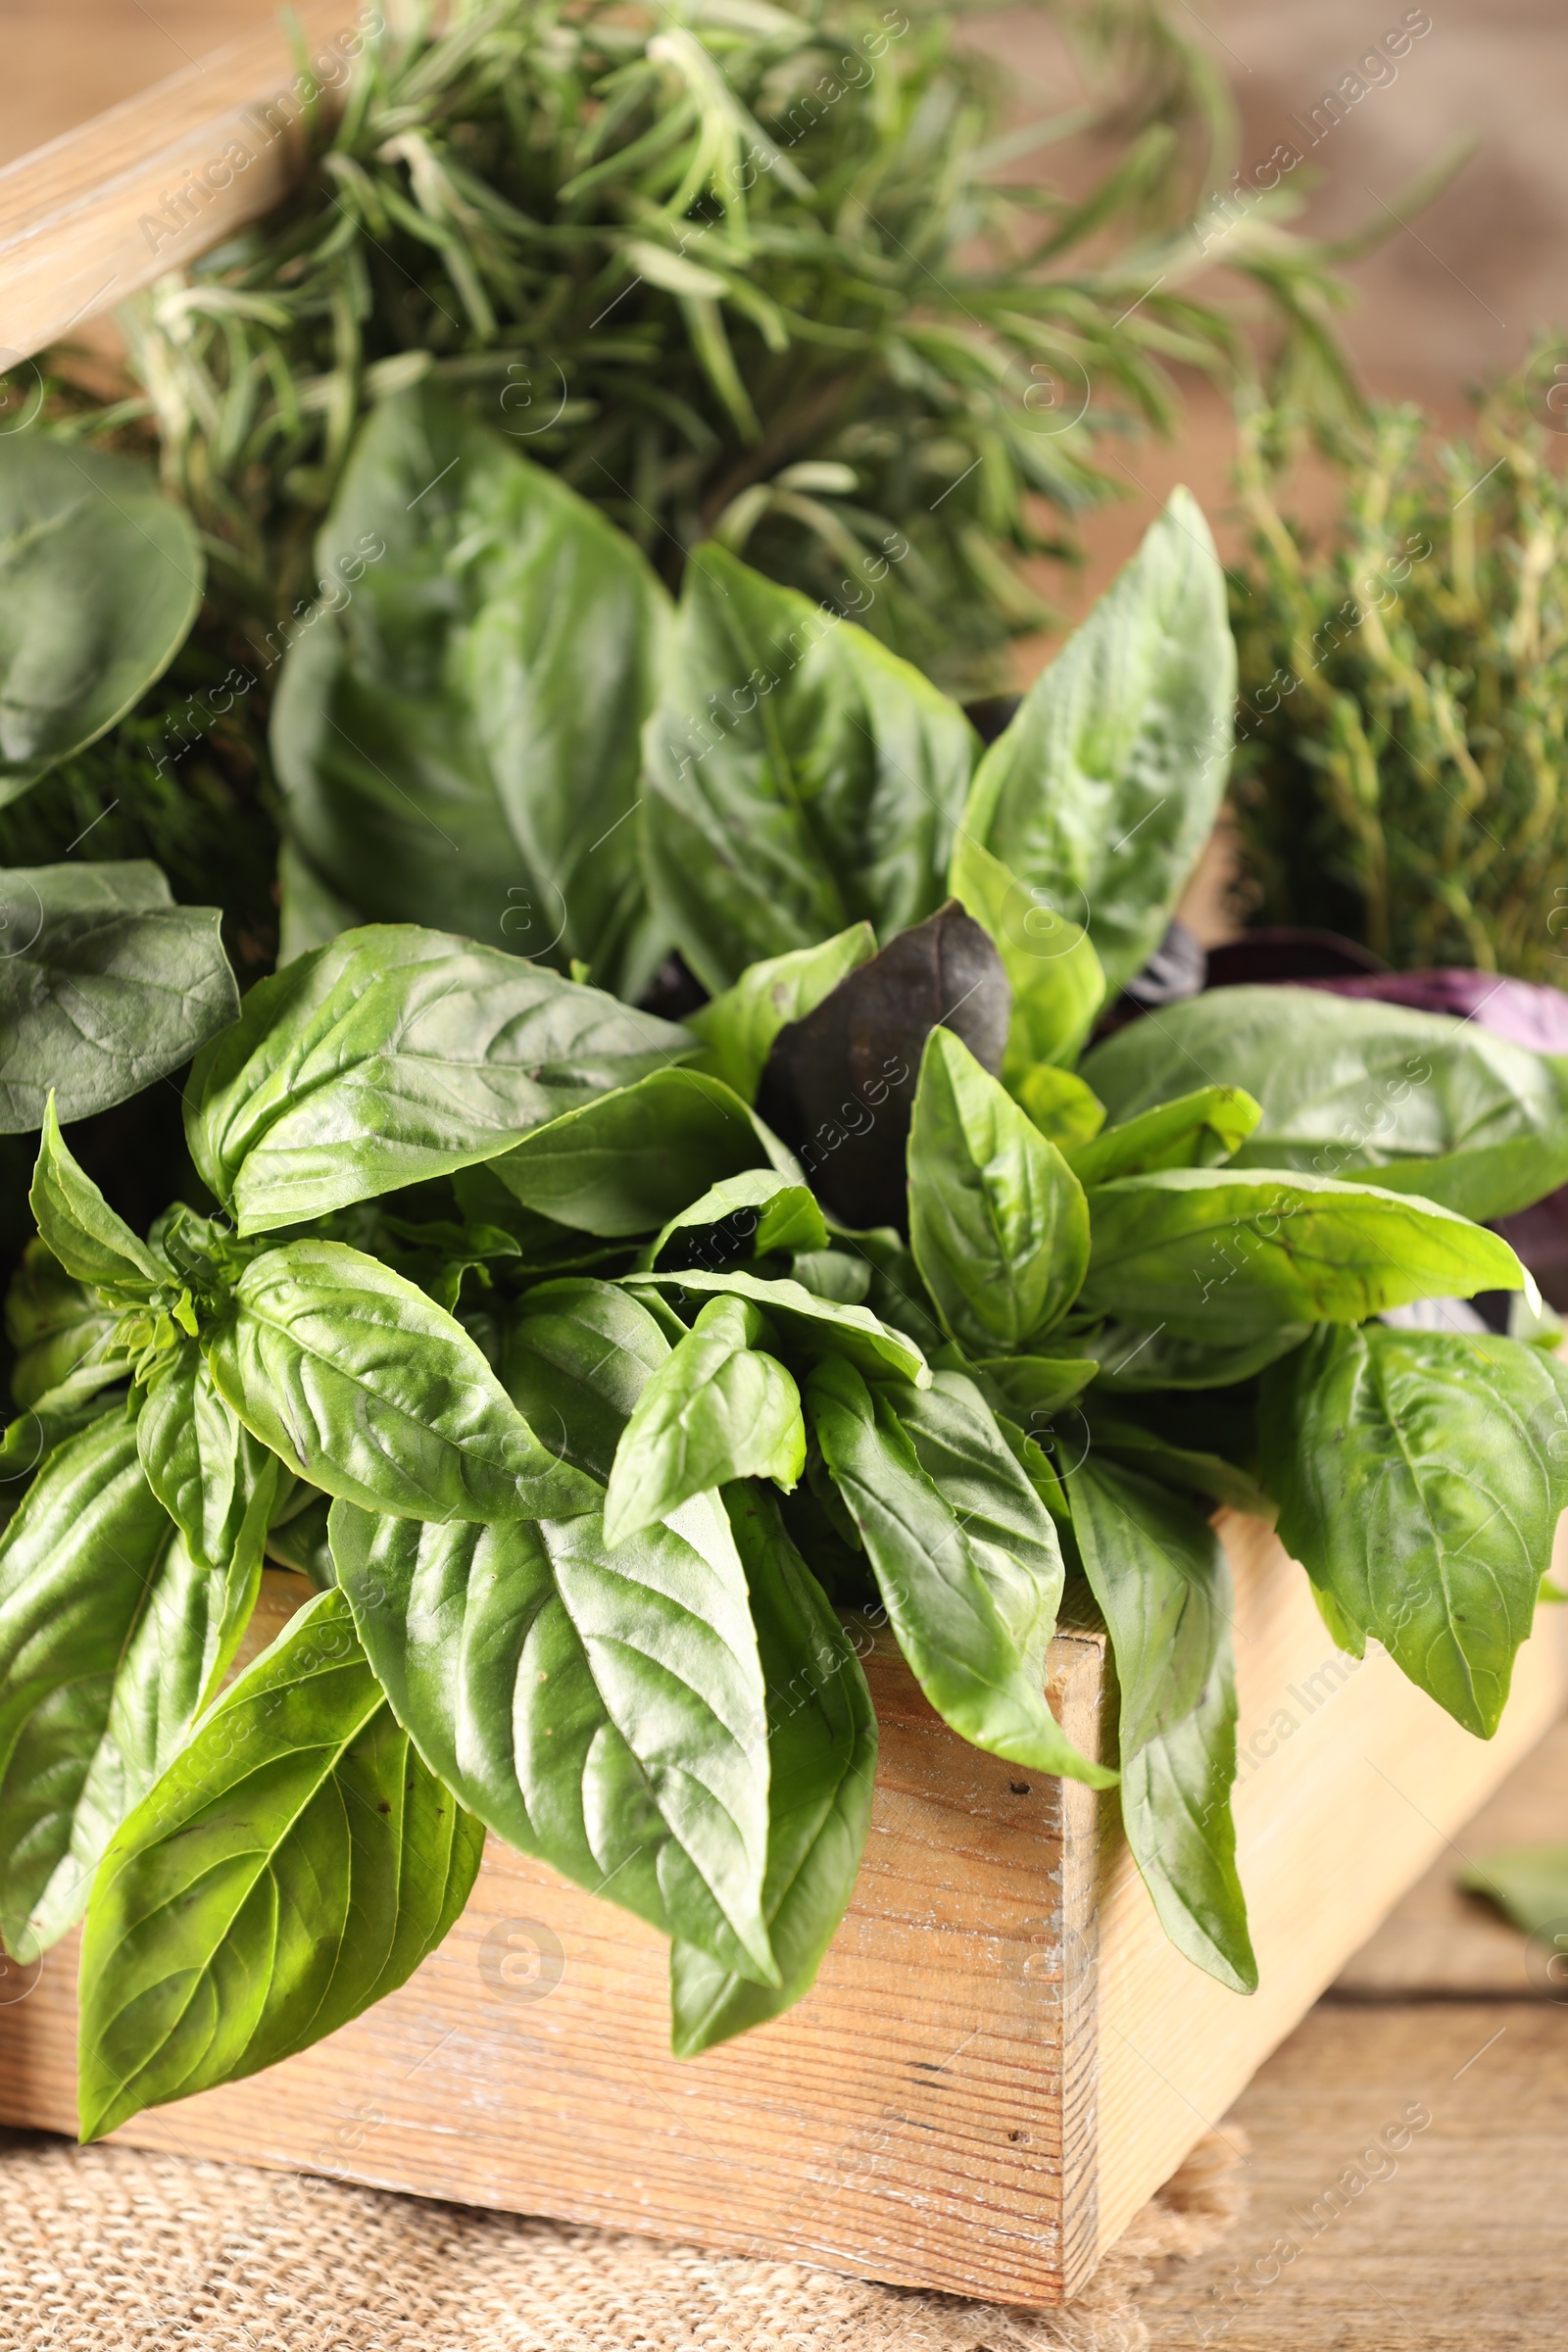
[(1404, 684)]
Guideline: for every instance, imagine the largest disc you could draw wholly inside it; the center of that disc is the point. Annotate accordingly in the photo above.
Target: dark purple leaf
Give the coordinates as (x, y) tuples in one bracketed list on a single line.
[(1523, 1011), (839, 1086), (1288, 951)]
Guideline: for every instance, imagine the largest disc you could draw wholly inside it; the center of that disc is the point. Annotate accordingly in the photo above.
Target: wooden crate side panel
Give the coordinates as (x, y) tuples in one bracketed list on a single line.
[(905, 2122), (1350, 1781), (103, 211), (1088, 1817)]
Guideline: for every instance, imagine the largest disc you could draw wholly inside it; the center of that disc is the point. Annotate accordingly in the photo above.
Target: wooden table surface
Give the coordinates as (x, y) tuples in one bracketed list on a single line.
[(1455, 2242), (1456, 2239)]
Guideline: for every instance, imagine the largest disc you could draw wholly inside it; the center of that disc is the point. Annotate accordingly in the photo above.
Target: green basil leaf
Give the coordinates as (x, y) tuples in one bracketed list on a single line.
[(1222, 1255), (895, 1293), (1432, 1105), (295, 1862), (1529, 1884), (436, 1254), (1066, 1111), (1134, 1358), (112, 1639), (298, 1536), (100, 579), (1057, 983), (998, 1221), (1194, 1470), (822, 1742), (718, 1409), (1158, 1572), (1030, 1386), (743, 1216), (28, 1440), (738, 1028), (834, 1274), (1200, 1130), (393, 1056), (804, 1322), (544, 1246), (602, 1709), (92, 1242), (215, 1480), (1038, 1467), (827, 1535), (575, 1356), (1105, 788), (105, 985), (628, 1163), (823, 790), (53, 1322), (359, 1384), (1341, 1632), (309, 914), (964, 1554), (1420, 1476), (1536, 1323), (457, 727), (192, 1248)]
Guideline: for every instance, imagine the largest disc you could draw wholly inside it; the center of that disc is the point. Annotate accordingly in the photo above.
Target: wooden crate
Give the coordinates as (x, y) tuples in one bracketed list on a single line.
[(1003, 2056), (104, 211)]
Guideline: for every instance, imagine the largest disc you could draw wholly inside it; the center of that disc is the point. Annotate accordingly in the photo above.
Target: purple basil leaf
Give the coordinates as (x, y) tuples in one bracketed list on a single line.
[(839, 1086)]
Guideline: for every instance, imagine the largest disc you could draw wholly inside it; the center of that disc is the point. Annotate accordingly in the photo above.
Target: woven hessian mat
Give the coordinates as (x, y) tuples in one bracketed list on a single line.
[(120, 2251)]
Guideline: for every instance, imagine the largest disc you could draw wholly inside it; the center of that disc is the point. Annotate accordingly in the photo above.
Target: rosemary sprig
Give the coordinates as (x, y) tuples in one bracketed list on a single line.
[(734, 270)]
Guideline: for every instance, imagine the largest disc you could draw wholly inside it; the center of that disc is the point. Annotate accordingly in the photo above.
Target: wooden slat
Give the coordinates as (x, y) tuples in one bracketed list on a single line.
[(143, 189)]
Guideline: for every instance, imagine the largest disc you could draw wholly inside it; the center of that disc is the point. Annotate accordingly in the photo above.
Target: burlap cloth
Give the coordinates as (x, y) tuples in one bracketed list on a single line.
[(113, 2249)]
